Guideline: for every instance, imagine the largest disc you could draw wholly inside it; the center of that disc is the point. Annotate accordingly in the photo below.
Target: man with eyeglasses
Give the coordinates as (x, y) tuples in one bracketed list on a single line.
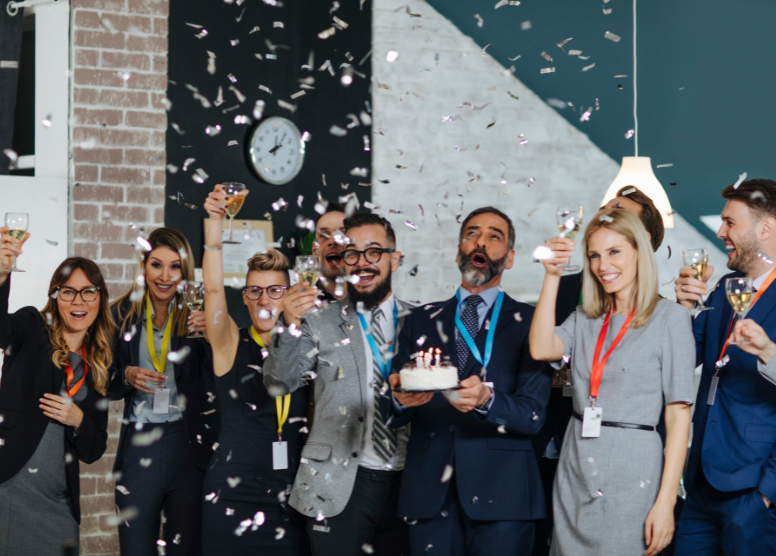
[(348, 482)]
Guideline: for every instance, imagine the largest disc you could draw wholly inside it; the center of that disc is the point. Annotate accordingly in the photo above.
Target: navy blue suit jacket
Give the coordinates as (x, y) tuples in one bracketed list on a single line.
[(495, 472), (734, 439)]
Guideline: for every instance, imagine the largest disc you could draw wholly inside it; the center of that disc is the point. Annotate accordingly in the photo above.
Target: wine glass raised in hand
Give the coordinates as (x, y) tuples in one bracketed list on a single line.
[(234, 202), (569, 219), (194, 296), (698, 260), (17, 223), (739, 293)]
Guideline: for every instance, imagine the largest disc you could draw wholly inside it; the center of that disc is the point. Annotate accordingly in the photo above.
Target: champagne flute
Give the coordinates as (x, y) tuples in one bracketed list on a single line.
[(194, 296), (234, 202), (739, 294), (698, 260), (17, 223), (569, 219), (308, 269)]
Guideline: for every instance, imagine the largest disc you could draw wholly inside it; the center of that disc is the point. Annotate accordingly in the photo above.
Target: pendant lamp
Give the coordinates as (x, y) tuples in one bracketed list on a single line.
[(637, 170)]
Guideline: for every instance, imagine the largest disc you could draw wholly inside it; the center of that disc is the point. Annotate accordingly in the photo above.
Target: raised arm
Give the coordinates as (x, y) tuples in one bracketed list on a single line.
[(11, 329), (223, 334), (545, 345)]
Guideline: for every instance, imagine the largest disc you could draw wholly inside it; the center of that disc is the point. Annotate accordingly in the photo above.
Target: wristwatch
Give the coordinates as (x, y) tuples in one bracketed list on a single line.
[(484, 405)]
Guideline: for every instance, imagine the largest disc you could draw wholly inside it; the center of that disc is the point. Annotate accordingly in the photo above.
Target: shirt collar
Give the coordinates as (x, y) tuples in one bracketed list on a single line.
[(760, 280), (169, 309), (488, 296)]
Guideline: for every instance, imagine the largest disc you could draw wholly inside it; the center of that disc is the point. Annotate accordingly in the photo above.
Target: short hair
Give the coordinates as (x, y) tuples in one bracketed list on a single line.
[(268, 260), (650, 215), (758, 194), (367, 219), (490, 210), (596, 302), (331, 206)]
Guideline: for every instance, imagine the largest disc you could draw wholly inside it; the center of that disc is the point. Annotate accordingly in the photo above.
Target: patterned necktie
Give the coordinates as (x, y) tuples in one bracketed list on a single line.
[(471, 321), (383, 438)]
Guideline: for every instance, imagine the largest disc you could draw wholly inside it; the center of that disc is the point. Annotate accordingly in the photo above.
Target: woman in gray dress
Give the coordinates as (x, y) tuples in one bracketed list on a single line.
[(53, 404), (632, 357)]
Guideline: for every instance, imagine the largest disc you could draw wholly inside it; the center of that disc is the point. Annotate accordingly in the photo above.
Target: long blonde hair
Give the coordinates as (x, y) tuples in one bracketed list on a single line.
[(99, 337), (644, 297), (176, 241)]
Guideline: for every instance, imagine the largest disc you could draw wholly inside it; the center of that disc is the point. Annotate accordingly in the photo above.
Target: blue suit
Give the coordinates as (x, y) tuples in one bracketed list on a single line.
[(495, 478), (733, 454)]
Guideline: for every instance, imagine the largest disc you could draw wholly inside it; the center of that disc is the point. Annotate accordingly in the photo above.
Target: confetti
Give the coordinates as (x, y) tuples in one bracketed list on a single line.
[(547, 70), (547, 57), (297, 95), (447, 473), (629, 134), (740, 180), (664, 165), (591, 66), (479, 20), (52, 242), (612, 37), (629, 191), (605, 218), (525, 25), (543, 253), (491, 124), (391, 56)]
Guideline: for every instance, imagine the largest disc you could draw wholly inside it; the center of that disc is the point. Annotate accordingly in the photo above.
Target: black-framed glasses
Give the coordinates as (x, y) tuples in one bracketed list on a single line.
[(69, 294), (372, 255), (254, 293)]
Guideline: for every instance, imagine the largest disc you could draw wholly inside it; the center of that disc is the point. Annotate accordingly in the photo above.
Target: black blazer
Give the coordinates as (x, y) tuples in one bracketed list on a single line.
[(28, 373), (193, 377)]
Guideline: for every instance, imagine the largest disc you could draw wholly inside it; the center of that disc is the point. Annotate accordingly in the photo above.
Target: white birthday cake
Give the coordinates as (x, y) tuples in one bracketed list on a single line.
[(429, 376)]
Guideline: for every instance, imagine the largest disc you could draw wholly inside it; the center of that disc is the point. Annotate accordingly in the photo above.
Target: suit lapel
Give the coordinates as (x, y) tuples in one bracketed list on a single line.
[(352, 330)]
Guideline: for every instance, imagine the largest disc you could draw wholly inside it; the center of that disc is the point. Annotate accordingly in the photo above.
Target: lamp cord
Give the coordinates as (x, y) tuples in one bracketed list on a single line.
[(635, 89)]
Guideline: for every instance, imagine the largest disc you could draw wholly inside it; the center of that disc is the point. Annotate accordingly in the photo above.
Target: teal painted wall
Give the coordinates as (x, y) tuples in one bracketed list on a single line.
[(706, 81)]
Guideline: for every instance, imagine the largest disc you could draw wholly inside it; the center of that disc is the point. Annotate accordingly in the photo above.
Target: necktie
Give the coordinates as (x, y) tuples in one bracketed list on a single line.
[(383, 438), (471, 321)]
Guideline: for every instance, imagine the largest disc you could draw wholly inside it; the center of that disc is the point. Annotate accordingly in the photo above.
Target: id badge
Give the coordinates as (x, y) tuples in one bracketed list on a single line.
[(279, 455), (162, 401), (591, 422), (712, 390)]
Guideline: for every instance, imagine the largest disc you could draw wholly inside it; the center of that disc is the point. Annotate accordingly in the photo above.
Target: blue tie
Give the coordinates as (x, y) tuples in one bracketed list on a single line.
[(471, 321)]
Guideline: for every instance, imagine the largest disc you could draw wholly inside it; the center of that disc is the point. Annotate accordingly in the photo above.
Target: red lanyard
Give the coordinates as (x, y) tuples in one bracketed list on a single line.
[(771, 277), (69, 371), (598, 366)]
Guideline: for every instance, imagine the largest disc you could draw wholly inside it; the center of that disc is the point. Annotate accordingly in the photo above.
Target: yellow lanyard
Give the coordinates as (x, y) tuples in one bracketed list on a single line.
[(282, 403), (155, 359)]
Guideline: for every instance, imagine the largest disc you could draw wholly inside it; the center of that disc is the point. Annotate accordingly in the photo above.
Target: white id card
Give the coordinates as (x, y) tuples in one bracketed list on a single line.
[(162, 401), (280, 455), (591, 422)]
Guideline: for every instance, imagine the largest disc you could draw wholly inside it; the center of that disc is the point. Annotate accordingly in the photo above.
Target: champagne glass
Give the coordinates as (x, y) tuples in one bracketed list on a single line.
[(739, 294), (698, 260), (194, 296), (17, 223), (234, 202), (308, 269), (569, 219)]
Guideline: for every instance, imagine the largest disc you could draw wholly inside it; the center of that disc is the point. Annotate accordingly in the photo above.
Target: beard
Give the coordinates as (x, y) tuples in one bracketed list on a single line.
[(479, 276), (373, 298), (746, 253)]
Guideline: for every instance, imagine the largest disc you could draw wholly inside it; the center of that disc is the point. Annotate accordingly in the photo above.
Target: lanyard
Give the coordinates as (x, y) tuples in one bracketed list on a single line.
[(475, 351), (69, 372), (160, 363), (282, 403), (598, 366), (384, 370), (771, 277)]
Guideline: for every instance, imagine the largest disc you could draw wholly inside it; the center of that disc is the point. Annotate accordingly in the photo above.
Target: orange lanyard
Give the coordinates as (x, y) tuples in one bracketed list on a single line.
[(69, 371), (771, 277), (598, 366)]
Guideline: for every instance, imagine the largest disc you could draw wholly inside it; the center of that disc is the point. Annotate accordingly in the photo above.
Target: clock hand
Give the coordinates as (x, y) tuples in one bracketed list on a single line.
[(276, 142)]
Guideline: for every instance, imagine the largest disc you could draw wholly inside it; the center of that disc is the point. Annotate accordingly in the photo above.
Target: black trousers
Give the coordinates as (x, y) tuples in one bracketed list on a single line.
[(160, 477), (368, 519)]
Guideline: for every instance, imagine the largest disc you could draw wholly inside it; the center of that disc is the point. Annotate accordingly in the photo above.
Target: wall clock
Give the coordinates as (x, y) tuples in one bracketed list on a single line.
[(276, 150)]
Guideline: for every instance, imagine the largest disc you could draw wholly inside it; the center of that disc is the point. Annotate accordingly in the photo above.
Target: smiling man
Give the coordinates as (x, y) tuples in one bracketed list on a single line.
[(471, 483), (328, 230), (731, 471)]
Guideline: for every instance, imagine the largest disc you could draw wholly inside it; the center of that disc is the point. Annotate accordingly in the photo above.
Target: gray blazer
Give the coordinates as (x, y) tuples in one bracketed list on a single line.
[(332, 347)]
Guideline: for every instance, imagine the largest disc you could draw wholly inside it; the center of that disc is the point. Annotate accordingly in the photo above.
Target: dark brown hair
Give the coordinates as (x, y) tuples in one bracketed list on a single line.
[(368, 219), (99, 336), (269, 260), (650, 216), (758, 194)]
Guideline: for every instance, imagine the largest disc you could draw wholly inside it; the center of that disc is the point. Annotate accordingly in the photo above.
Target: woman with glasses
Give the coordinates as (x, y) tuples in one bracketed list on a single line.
[(53, 404), (259, 446), (170, 421)]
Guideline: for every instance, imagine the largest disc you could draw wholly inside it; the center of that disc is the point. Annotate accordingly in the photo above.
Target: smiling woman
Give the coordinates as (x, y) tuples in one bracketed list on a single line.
[(53, 409)]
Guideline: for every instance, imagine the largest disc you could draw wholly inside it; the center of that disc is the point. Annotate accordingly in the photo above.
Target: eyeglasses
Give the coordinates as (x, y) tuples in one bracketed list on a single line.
[(372, 255), (69, 294), (254, 293)]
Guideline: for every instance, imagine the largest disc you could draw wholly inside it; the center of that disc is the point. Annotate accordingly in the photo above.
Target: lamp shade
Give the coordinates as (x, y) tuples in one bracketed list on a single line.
[(637, 171)]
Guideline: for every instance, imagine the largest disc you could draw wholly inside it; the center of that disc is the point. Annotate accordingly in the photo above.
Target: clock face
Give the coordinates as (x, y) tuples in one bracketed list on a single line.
[(276, 150)]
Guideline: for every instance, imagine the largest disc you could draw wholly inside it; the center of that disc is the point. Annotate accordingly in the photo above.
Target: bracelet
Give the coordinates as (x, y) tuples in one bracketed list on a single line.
[(211, 248)]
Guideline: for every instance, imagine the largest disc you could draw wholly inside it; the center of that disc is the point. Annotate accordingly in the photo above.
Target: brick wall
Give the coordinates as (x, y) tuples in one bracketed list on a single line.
[(439, 153), (117, 172)]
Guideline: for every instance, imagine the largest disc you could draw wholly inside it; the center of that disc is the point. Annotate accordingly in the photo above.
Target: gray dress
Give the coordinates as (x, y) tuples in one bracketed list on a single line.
[(36, 518), (606, 486)]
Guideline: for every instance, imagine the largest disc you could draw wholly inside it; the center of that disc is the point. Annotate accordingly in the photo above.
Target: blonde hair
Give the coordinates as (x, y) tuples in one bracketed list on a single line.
[(98, 341), (176, 241), (644, 297), (268, 260)]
